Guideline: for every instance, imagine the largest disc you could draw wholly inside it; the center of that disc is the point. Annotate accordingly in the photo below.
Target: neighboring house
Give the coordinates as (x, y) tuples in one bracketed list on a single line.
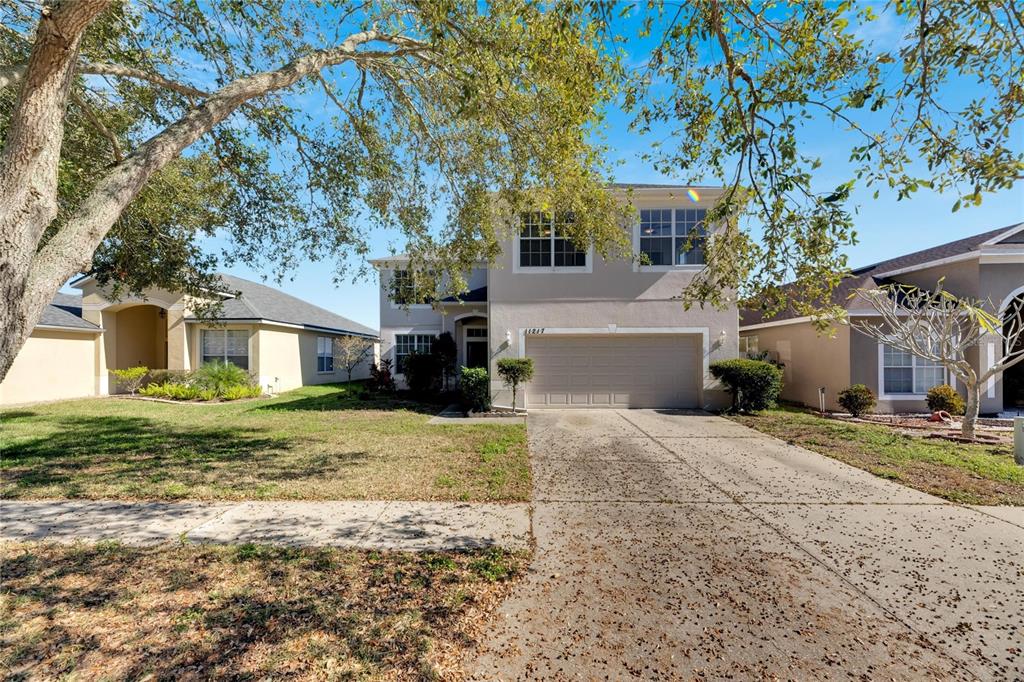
[(988, 266), (283, 341), (601, 333)]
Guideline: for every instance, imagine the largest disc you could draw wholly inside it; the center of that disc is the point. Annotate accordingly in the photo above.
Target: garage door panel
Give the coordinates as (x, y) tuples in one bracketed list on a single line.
[(615, 371)]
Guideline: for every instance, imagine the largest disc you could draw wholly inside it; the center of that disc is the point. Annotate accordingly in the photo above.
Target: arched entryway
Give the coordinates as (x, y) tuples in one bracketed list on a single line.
[(141, 337), (1013, 378), (472, 338)]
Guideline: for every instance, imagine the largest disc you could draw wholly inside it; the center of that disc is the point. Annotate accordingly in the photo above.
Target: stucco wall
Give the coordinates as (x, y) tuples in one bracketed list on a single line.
[(812, 360), (141, 337), (52, 365), (286, 359)]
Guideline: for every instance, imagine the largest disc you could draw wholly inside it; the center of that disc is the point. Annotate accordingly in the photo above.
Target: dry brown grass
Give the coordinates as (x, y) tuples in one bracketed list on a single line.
[(316, 443), (185, 612), (965, 473)]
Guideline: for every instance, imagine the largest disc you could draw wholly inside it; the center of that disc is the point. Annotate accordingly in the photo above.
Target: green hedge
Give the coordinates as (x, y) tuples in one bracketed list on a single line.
[(475, 385), (945, 398), (857, 400), (755, 385)]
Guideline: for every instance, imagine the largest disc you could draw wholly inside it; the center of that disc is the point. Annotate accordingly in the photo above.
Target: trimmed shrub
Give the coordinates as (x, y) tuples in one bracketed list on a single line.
[(169, 376), (945, 398), (475, 385), (515, 371), (130, 378), (219, 376), (857, 400), (240, 392), (381, 378), (422, 373), (754, 384), (171, 391)]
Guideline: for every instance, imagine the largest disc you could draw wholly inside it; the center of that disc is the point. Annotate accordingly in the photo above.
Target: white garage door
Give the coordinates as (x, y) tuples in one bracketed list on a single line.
[(624, 370)]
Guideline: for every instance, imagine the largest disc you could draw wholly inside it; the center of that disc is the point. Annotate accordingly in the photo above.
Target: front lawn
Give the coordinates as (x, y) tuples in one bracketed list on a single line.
[(186, 612), (315, 443), (970, 474)]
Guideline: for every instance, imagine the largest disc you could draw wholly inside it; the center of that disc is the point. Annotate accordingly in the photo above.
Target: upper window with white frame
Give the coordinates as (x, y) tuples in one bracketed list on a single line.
[(410, 343), (672, 236), (906, 374), (543, 242), (324, 354), (404, 289)]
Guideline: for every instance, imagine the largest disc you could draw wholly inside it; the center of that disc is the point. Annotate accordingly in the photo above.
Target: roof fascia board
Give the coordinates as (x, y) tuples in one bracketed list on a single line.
[(277, 323), (1009, 233), (63, 328)]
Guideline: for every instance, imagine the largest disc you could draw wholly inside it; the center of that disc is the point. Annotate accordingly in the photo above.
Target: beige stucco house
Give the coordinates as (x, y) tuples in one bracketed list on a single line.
[(601, 333), (283, 341), (987, 266)]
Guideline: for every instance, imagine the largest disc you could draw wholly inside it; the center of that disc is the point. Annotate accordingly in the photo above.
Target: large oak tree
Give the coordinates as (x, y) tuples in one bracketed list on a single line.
[(131, 130)]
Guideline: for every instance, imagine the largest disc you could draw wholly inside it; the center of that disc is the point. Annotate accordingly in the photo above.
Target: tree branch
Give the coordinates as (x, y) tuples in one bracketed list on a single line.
[(96, 123)]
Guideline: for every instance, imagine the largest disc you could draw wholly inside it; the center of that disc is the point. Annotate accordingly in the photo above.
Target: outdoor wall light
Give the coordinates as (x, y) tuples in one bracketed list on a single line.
[(723, 337), (508, 337)]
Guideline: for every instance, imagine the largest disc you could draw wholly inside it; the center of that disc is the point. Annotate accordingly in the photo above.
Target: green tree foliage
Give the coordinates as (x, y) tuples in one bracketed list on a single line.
[(130, 378), (515, 371), (755, 385), (739, 86), (293, 131), (446, 350)]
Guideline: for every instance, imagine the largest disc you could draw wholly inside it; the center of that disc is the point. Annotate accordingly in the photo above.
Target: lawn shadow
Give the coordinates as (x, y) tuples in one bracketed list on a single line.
[(356, 397), (138, 451)]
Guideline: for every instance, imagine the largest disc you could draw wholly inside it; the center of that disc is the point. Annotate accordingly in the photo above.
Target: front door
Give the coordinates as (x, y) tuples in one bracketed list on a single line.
[(476, 347)]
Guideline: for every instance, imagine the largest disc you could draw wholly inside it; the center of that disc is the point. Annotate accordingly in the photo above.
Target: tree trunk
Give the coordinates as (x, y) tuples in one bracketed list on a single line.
[(970, 422), (30, 276)]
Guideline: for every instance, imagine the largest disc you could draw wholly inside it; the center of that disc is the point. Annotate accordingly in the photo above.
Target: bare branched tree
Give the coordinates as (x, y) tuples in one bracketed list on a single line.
[(941, 327), (349, 351)]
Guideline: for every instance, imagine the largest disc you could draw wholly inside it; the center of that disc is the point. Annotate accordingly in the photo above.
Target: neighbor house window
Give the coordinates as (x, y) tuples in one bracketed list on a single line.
[(748, 345), (324, 354), (404, 290), (908, 374), (226, 345), (410, 343), (673, 236), (543, 242)]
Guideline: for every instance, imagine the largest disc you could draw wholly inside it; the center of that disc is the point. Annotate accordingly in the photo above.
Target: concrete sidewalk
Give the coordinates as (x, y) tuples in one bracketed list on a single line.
[(416, 526)]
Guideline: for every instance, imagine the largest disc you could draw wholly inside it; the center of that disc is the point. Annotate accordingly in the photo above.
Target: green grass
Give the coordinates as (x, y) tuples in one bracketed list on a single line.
[(315, 443), (970, 474), (109, 611)]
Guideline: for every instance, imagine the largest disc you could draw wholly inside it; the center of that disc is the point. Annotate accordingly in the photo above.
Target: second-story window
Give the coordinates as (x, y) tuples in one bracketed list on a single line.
[(543, 242), (404, 290), (673, 236)]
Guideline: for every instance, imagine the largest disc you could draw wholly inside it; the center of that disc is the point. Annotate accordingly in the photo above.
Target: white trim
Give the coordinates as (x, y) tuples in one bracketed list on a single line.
[(62, 328), (1009, 233), (486, 340), (927, 264), (777, 323), (704, 332), (990, 359), (465, 315), (221, 322), (997, 257), (882, 395), (1006, 301)]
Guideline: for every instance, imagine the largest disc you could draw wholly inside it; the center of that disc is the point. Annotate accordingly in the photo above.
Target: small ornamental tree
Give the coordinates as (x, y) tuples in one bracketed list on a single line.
[(130, 378), (515, 371), (940, 327), (349, 351), (446, 351)]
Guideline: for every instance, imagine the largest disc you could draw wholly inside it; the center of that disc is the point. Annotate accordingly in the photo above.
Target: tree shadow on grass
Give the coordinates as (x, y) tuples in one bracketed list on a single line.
[(135, 456), (238, 612), (355, 397)]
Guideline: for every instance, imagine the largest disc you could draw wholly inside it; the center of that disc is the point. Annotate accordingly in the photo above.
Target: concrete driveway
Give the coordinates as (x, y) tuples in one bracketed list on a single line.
[(676, 546)]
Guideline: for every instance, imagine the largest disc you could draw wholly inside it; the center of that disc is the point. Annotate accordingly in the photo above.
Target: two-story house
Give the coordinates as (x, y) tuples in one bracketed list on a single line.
[(602, 333)]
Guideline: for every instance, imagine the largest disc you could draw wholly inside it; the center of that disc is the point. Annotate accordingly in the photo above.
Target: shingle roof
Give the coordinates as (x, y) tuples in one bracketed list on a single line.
[(478, 295), (65, 311), (869, 274), (258, 301)]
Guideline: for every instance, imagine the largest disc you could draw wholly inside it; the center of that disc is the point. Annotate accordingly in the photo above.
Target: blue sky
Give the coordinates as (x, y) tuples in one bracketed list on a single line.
[(886, 227)]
